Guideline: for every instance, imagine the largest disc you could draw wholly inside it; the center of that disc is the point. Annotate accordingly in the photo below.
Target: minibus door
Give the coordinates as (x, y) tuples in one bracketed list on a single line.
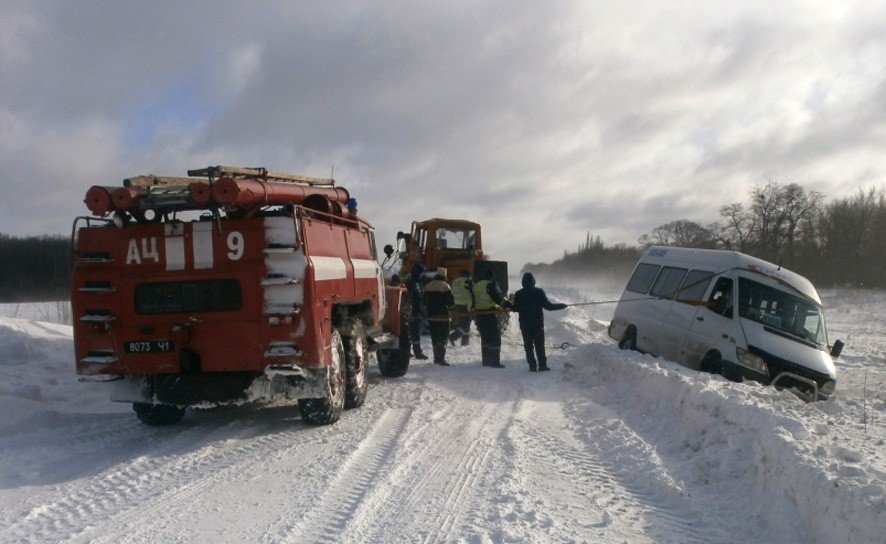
[(687, 303), (714, 324), (657, 336)]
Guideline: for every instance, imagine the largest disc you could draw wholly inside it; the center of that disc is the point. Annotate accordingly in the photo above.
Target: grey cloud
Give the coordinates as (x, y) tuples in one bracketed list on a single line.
[(542, 121)]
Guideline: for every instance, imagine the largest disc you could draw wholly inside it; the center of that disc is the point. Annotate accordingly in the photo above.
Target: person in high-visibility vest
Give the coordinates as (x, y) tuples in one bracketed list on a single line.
[(487, 301), (463, 295), (438, 299)]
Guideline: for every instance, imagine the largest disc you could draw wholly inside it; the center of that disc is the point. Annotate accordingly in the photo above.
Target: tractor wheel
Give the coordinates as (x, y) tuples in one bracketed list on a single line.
[(357, 359), (324, 411), (156, 415), (393, 363)]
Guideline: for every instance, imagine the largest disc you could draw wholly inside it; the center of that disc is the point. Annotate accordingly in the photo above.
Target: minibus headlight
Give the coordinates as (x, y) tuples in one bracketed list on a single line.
[(827, 388), (752, 361)]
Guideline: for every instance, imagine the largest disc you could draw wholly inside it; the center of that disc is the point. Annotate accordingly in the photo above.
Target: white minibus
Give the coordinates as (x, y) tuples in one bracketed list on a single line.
[(728, 313)]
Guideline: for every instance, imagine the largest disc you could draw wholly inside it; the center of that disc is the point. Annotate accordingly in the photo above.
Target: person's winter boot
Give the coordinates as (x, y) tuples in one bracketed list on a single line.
[(417, 352), (543, 368), (442, 363), (532, 368)]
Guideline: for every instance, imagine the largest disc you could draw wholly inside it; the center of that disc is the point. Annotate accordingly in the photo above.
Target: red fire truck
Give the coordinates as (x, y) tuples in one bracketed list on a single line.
[(231, 285)]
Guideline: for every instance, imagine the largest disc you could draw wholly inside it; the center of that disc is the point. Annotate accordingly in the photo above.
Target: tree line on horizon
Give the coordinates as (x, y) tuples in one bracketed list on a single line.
[(35, 268), (841, 242)]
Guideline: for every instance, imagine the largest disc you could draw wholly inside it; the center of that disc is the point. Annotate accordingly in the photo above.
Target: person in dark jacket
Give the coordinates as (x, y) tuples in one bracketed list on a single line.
[(414, 287), (529, 302), (438, 299), (488, 300)]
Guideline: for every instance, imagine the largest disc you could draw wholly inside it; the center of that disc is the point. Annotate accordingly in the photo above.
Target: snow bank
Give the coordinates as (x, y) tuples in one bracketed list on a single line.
[(37, 375), (788, 457), (817, 471), (58, 311)]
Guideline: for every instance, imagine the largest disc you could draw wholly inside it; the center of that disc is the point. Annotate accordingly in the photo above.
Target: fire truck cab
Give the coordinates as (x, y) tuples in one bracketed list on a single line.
[(231, 285)]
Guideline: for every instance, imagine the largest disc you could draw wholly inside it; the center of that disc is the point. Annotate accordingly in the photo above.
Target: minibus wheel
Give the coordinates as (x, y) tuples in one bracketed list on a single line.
[(712, 363), (629, 340)]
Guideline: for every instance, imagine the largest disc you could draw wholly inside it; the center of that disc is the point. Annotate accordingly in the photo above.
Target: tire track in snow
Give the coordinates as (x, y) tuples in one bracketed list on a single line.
[(327, 517), (34, 459), (74, 513), (436, 469), (142, 524), (633, 481), (466, 470), (266, 488), (548, 497)]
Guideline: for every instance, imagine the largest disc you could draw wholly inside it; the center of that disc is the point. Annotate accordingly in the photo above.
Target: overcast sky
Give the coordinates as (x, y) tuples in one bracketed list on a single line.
[(540, 120)]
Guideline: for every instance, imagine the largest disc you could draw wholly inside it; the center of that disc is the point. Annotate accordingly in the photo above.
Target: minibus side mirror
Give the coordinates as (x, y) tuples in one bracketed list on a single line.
[(837, 348), (389, 250)]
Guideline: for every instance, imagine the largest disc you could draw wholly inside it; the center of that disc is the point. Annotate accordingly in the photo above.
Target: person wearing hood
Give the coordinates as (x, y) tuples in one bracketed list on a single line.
[(416, 299), (529, 303)]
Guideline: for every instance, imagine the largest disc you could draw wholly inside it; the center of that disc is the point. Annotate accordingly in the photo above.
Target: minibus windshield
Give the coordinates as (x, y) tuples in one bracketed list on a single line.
[(784, 312)]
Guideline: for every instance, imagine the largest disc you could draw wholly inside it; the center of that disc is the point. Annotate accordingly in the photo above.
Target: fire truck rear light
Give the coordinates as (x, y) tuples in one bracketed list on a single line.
[(100, 357), (282, 350), (275, 321)]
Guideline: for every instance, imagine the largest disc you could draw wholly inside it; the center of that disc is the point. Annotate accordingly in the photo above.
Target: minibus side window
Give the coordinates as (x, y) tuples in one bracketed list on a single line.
[(643, 277), (721, 297), (668, 282), (695, 285)]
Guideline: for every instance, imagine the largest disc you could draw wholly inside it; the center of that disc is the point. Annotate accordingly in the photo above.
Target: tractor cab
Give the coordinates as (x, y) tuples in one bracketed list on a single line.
[(453, 245)]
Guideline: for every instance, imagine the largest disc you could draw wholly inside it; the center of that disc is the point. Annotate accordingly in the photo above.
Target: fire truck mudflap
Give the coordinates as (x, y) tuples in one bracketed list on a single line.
[(231, 285)]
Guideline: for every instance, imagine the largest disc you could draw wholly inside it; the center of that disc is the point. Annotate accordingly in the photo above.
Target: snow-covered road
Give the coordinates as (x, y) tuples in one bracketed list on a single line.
[(608, 447)]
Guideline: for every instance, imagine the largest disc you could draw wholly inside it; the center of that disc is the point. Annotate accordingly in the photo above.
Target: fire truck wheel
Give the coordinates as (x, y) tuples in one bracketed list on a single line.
[(158, 414), (325, 411), (357, 358)]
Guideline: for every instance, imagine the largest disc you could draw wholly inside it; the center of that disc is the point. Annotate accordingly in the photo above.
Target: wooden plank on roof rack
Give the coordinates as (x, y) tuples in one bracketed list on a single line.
[(151, 180), (261, 173)]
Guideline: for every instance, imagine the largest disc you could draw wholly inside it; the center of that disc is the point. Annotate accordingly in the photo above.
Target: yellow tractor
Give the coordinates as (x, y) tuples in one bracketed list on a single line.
[(452, 245)]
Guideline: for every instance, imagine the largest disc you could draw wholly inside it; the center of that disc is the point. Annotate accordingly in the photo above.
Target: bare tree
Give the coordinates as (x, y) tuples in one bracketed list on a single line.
[(681, 233), (737, 229)]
